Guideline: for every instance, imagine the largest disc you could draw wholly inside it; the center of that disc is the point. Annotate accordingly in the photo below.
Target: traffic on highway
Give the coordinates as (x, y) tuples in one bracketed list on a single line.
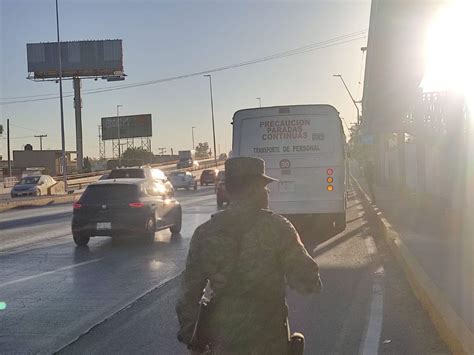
[(236, 178)]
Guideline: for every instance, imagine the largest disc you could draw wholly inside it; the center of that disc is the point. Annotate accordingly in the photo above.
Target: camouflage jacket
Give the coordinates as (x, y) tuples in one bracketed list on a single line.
[(249, 255)]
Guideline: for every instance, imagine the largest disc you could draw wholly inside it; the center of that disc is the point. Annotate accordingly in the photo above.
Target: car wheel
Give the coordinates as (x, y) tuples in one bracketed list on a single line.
[(176, 228), (220, 203), (150, 229), (195, 187), (38, 193), (80, 239)]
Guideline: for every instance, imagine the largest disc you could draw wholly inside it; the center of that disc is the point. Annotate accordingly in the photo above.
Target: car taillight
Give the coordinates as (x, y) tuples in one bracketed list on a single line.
[(136, 204), (76, 206)]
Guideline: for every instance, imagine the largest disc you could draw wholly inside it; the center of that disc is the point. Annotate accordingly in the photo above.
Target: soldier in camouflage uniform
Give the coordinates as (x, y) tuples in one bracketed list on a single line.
[(249, 255)]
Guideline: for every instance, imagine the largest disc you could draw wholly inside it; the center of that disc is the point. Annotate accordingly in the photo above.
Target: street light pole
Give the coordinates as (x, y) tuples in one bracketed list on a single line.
[(192, 132), (118, 137), (259, 101), (352, 98), (212, 113), (61, 106)]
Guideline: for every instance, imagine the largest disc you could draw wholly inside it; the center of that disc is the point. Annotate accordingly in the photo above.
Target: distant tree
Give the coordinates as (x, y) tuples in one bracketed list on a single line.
[(87, 165), (202, 150), (138, 154)]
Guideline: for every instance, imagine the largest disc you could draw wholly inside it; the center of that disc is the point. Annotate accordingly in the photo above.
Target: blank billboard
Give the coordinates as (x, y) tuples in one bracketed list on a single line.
[(132, 126), (78, 58)]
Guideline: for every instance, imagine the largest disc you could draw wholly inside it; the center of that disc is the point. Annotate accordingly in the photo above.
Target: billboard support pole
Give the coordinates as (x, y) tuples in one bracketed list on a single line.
[(63, 138), (78, 114)]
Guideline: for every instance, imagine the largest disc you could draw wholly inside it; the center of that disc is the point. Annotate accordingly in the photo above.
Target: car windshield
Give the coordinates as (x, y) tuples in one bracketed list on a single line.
[(97, 194), (29, 180), (127, 174)]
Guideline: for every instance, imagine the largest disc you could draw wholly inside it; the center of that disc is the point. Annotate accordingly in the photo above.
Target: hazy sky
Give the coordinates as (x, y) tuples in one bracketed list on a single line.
[(167, 38)]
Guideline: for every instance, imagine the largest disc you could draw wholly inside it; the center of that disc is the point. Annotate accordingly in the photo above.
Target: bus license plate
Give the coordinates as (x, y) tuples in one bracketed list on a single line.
[(287, 186), (104, 225)]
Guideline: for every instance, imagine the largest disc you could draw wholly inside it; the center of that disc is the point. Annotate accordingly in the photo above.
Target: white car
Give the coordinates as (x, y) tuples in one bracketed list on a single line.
[(183, 180)]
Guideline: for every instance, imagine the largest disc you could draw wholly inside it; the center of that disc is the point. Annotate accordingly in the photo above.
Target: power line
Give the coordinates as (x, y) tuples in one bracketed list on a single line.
[(22, 137), (26, 128), (336, 41), (339, 38)]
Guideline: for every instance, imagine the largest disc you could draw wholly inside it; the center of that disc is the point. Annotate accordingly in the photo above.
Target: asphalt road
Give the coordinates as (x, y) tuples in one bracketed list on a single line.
[(119, 297)]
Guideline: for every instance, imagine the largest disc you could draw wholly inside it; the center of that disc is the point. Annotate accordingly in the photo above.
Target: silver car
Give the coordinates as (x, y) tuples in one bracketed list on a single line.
[(183, 180), (34, 185)]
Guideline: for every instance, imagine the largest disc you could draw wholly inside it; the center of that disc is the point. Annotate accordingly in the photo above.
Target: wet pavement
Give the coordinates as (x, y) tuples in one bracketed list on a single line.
[(54, 292), (366, 305)]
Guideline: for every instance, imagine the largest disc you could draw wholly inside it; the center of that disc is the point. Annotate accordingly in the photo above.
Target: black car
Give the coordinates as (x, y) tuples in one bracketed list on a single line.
[(125, 206), (208, 176)]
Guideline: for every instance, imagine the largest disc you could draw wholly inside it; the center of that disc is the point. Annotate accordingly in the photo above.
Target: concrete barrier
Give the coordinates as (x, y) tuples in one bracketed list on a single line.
[(57, 197), (37, 201)]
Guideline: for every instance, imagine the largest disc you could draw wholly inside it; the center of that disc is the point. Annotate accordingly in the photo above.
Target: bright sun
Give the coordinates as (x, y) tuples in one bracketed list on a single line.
[(449, 61)]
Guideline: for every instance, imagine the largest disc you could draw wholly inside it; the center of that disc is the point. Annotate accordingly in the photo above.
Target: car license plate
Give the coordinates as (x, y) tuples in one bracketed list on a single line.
[(104, 225), (286, 186)]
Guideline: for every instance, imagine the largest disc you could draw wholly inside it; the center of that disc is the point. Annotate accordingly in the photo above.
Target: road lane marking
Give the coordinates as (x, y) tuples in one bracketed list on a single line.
[(48, 272), (370, 245), (374, 327)]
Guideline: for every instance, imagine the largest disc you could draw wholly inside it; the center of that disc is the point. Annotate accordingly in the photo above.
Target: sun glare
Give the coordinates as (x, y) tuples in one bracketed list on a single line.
[(449, 63)]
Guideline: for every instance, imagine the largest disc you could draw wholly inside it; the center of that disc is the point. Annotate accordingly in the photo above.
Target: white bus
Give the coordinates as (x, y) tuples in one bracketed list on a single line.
[(303, 147)]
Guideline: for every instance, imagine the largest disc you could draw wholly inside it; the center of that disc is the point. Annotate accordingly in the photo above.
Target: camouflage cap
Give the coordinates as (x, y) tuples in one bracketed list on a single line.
[(240, 167)]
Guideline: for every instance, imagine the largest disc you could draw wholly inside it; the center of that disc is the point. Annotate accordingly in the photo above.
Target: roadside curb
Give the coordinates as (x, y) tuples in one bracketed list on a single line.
[(451, 327), (38, 201)]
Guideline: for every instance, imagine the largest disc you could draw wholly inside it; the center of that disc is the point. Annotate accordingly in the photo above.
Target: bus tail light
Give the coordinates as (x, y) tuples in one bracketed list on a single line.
[(330, 187)]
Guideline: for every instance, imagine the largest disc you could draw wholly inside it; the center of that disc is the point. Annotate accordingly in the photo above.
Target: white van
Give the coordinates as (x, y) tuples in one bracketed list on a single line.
[(303, 147)]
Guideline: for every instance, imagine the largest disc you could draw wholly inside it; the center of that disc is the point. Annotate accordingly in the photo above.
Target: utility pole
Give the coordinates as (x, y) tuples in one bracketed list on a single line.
[(77, 110), (63, 138), (162, 151), (212, 113), (118, 137), (352, 98), (8, 149), (192, 132), (41, 136)]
